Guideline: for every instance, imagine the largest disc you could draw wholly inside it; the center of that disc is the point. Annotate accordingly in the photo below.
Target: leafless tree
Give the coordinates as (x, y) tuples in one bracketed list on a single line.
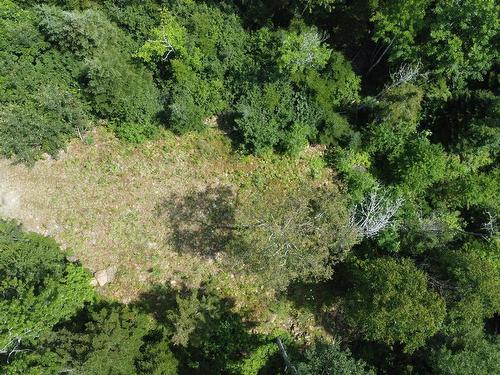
[(433, 224), (310, 41), (289, 366), (12, 346), (166, 42), (491, 226), (380, 53), (406, 73), (374, 214)]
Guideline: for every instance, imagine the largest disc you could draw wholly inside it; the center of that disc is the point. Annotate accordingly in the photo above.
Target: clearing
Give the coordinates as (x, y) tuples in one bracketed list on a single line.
[(101, 200)]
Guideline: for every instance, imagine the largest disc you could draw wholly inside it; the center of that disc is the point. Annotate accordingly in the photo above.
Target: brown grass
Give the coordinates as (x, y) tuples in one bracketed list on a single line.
[(100, 200)]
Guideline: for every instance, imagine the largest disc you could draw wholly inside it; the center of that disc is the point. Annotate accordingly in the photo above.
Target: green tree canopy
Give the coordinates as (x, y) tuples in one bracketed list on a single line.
[(331, 359), (392, 303), (39, 287)]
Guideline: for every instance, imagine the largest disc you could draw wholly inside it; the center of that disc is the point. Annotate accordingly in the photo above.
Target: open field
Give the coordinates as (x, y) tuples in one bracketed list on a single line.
[(108, 203)]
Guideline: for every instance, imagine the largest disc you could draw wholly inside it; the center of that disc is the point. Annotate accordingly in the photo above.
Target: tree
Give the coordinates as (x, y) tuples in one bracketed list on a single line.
[(41, 109), (482, 359), (39, 288), (454, 39), (421, 165), (298, 237), (106, 338), (301, 232), (113, 339), (118, 89), (81, 33), (463, 52), (474, 274), (276, 117), (397, 120), (122, 92), (390, 302), (201, 46), (213, 338), (302, 48), (374, 214), (331, 359)]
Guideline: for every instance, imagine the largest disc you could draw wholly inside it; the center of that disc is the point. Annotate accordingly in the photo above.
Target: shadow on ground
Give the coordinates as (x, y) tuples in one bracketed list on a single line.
[(202, 222)]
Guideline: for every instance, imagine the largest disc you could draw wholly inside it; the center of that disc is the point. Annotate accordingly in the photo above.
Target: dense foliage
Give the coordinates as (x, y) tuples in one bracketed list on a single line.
[(401, 95)]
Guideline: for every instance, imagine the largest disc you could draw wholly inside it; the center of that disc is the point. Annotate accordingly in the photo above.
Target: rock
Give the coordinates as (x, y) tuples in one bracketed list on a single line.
[(101, 277), (94, 282), (46, 157), (112, 272), (105, 276), (72, 258)]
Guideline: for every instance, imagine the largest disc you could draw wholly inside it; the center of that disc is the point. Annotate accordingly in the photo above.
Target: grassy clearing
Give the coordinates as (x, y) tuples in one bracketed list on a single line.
[(101, 199)]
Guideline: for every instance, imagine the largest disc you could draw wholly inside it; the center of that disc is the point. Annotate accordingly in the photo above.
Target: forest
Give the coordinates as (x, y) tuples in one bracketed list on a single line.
[(301, 187)]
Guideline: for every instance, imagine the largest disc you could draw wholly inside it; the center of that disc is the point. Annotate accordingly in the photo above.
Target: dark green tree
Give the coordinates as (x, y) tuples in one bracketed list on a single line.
[(331, 359), (392, 303), (113, 339), (482, 359), (455, 40)]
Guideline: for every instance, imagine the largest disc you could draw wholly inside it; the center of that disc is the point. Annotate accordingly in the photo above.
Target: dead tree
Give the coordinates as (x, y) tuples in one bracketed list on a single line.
[(286, 359), (374, 214), (168, 46), (406, 73), (491, 226)]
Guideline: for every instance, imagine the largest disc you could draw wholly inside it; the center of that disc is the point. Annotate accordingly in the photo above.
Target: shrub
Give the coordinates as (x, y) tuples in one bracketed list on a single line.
[(206, 46), (119, 90), (296, 237), (331, 359), (482, 359), (114, 339), (81, 33), (41, 107)]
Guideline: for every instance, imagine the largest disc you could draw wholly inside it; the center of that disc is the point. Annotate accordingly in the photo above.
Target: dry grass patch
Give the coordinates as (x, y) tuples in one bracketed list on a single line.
[(101, 199)]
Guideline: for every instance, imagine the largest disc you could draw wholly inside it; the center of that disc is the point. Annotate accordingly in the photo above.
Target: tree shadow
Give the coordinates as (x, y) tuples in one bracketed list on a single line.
[(158, 301), (325, 301), (227, 123), (202, 222), (208, 337)]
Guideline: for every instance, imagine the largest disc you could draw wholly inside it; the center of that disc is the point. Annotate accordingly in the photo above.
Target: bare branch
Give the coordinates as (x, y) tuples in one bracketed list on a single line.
[(491, 226), (374, 214), (406, 73), (165, 41), (286, 359)]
